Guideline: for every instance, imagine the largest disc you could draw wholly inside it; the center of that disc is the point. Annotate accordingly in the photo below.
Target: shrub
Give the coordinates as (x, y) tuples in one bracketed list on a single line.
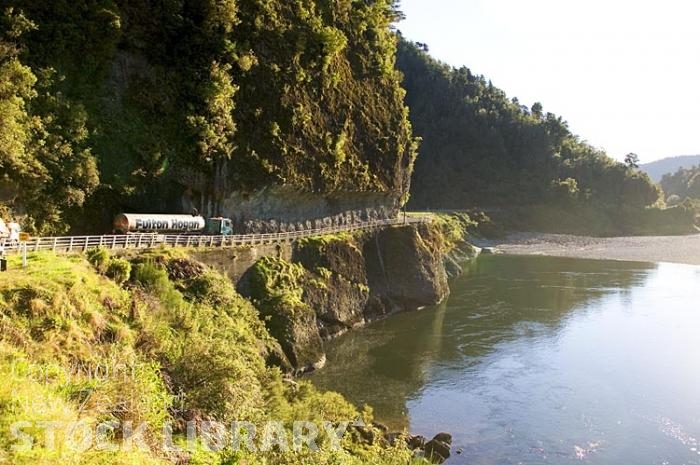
[(99, 258), (151, 276), (119, 270), (154, 278)]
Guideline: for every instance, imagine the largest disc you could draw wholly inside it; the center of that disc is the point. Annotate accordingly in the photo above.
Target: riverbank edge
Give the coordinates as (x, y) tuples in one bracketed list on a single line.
[(645, 249), (319, 288)]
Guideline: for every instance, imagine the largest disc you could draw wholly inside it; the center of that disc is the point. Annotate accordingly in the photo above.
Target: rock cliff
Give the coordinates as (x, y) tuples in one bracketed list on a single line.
[(331, 284)]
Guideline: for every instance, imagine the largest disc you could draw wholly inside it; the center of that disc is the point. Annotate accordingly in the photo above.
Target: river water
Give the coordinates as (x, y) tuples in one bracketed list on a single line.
[(536, 360)]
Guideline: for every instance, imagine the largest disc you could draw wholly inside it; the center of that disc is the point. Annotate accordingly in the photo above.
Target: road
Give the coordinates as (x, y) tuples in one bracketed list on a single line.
[(63, 244)]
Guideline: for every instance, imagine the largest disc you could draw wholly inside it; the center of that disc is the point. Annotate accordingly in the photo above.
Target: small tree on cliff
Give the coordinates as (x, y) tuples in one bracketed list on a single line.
[(632, 160)]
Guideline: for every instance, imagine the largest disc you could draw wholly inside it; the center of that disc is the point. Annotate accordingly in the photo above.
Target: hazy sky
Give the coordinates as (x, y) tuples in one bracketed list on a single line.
[(624, 74)]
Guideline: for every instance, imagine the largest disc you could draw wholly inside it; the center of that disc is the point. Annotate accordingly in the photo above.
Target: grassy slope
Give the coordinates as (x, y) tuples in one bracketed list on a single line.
[(182, 326)]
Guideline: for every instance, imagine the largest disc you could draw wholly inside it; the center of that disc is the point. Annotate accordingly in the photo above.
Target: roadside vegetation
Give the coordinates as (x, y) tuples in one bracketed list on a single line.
[(197, 348)]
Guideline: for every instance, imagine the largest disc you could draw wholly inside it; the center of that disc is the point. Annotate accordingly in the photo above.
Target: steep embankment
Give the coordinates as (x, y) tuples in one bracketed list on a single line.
[(328, 285), (159, 339), (172, 343)]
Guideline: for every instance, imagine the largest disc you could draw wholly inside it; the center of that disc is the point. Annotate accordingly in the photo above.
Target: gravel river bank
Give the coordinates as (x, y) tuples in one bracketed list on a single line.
[(672, 249)]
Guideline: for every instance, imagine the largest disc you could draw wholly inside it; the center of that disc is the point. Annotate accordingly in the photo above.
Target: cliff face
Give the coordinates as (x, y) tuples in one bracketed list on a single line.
[(288, 111), (322, 287), (406, 269)]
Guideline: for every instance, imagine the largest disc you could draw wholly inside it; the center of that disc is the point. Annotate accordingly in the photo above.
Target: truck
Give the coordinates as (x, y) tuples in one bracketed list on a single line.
[(143, 223), (10, 232)]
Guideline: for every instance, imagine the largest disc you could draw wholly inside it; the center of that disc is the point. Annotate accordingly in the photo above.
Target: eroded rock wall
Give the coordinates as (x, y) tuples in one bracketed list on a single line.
[(318, 288)]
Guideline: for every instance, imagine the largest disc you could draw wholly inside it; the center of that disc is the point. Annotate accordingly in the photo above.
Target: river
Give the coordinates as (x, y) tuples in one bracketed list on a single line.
[(540, 360)]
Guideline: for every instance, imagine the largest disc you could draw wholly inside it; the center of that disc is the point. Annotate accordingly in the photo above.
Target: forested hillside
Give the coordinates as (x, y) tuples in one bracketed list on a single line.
[(265, 110), (170, 104), (657, 169), (481, 149), (681, 185)]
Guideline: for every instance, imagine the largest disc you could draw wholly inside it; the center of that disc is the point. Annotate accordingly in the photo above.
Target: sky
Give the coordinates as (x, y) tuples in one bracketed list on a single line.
[(624, 74)]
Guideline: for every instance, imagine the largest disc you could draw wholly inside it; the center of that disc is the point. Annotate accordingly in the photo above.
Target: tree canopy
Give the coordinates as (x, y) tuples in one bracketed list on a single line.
[(684, 183), (480, 148), (200, 97)]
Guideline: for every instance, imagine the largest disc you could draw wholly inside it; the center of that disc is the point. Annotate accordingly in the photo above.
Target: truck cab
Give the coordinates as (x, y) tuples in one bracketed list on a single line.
[(219, 226)]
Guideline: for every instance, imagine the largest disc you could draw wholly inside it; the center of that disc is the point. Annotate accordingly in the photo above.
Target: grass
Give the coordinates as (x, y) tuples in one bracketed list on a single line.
[(184, 329)]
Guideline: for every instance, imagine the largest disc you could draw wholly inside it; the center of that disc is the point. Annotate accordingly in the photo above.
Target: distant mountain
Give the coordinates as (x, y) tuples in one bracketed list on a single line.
[(657, 169)]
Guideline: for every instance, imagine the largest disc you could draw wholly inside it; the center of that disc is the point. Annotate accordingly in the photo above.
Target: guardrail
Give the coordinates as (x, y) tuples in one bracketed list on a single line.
[(152, 240)]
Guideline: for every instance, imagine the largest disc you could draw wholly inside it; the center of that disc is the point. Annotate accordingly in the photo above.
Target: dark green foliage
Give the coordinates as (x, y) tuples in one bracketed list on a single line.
[(602, 221), (47, 168), (203, 98), (632, 160), (481, 149), (684, 183), (152, 277)]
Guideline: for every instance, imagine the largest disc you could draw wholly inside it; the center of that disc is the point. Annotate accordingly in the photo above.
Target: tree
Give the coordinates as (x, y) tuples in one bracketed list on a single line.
[(46, 168), (694, 185), (213, 129), (537, 110), (632, 160)]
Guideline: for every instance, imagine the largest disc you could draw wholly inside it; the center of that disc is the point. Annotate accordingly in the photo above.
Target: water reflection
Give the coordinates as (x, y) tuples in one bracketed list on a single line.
[(497, 299), (540, 360)]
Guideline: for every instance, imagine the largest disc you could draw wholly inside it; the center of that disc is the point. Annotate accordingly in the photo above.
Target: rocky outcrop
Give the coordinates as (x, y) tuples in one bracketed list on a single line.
[(437, 450), (282, 209), (334, 283), (405, 270), (275, 287), (296, 330), (338, 290)]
